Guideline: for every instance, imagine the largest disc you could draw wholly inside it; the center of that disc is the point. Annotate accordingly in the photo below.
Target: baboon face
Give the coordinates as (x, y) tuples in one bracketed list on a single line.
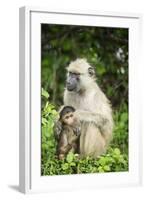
[(68, 118), (80, 75), (72, 82)]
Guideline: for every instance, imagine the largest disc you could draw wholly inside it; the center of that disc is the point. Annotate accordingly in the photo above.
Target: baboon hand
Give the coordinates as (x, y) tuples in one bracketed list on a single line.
[(57, 129), (77, 130)]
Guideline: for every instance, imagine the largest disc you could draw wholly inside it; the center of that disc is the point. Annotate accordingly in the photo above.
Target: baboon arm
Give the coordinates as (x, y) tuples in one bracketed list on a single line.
[(65, 149), (57, 129), (88, 116)]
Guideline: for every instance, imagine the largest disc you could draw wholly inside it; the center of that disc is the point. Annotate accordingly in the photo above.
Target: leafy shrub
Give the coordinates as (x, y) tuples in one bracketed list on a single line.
[(49, 115), (115, 160), (120, 138), (106, 48)]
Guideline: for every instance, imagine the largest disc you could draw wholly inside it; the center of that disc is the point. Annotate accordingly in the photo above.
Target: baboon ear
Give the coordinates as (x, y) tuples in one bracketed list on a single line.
[(91, 71)]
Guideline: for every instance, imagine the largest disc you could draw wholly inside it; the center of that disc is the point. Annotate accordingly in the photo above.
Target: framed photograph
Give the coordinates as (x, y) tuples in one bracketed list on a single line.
[(79, 100)]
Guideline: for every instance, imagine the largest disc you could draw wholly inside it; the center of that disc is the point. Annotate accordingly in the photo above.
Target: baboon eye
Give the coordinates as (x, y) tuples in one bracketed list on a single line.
[(71, 115), (91, 71), (74, 74), (70, 73)]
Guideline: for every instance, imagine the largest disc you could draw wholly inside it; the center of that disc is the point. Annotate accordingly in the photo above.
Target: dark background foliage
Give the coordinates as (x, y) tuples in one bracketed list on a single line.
[(107, 50)]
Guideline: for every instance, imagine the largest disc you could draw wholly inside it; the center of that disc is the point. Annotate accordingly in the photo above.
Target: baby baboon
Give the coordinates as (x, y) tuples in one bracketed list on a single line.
[(68, 138)]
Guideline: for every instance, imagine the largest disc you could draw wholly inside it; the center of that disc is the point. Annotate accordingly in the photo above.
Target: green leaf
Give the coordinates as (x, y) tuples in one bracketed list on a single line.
[(72, 164), (100, 169), (102, 161), (70, 157), (124, 116), (65, 166), (117, 151), (106, 168), (44, 121), (45, 93)]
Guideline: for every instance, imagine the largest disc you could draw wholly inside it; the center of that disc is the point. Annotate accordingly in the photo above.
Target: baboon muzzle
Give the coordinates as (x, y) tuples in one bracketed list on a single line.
[(71, 83)]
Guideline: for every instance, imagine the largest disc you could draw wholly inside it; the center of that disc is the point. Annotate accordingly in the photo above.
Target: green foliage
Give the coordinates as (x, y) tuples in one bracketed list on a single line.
[(49, 116), (114, 160), (105, 48), (121, 129)]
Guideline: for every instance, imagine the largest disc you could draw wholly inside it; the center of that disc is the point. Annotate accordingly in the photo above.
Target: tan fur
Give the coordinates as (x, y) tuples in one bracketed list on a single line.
[(93, 109)]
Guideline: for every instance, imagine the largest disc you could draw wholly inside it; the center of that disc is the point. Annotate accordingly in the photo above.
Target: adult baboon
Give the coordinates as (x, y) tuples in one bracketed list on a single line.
[(92, 108)]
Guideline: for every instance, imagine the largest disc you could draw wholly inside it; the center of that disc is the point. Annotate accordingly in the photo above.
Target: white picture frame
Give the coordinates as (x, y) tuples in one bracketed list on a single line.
[(30, 62)]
